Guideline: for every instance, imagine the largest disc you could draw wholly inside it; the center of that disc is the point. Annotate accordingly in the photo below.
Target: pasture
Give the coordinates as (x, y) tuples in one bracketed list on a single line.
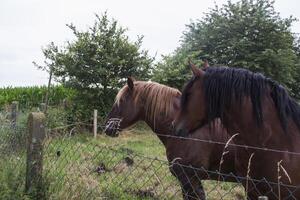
[(78, 166), (122, 119)]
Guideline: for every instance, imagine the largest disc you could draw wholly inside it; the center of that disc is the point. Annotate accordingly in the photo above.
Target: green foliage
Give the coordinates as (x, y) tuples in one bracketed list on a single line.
[(12, 159), (248, 34), (57, 117), (13, 140), (29, 97), (12, 179), (173, 69), (97, 62)]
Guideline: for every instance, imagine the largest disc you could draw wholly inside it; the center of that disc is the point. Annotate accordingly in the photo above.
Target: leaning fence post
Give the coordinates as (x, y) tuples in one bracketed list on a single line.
[(95, 123), (262, 198), (34, 163), (14, 113)]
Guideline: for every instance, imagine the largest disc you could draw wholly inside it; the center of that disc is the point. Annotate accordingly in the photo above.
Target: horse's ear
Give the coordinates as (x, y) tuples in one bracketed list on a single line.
[(130, 83), (205, 64), (196, 71)]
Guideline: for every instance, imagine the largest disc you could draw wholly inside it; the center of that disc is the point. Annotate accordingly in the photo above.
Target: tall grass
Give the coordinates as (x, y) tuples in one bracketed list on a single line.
[(29, 97), (12, 158)]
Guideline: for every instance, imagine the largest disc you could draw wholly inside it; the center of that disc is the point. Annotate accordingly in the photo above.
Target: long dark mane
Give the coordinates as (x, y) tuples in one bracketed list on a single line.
[(223, 86)]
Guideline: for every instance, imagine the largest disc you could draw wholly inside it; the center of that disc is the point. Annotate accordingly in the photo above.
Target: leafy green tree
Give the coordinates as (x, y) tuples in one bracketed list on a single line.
[(97, 62), (173, 70), (296, 86), (248, 34)]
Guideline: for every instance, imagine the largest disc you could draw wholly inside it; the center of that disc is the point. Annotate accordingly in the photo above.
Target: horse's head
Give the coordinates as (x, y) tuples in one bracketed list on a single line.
[(124, 112), (191, 115)]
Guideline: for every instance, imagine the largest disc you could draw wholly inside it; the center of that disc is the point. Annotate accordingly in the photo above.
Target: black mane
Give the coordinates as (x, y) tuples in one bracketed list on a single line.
[(223, 86)]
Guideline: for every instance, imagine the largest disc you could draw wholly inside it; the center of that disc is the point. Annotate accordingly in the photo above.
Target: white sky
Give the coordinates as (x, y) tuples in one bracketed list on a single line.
[(27, 26)]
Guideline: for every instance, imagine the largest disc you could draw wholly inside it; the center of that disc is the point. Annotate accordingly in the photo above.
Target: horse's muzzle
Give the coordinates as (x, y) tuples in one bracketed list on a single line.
[(112, 127), (180, 130)]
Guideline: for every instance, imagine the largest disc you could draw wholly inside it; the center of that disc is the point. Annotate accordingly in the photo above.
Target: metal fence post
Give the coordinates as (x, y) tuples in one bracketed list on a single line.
[(95, 123), (34, 163)]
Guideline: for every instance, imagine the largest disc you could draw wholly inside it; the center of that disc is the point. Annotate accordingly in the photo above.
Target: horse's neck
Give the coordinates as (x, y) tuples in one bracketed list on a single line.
[(268, 134), (161, 126)]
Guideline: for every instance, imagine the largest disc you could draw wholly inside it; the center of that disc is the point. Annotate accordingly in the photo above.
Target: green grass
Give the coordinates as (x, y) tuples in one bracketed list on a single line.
[(12, 178), (73, 174), (82, 167), (80, 156)]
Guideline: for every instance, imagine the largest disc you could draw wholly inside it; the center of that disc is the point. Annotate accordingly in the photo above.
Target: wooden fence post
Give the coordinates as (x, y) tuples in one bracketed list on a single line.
[(14, 114), (95, 123), (262, 198), (34, 163)]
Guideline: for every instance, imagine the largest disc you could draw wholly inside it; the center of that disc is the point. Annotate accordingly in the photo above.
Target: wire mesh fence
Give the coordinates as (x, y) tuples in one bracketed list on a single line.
[(77, 166), (12, 158), (86, 170)]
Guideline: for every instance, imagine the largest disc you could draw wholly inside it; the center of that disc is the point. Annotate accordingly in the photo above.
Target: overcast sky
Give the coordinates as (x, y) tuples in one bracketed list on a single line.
[(27, 26)]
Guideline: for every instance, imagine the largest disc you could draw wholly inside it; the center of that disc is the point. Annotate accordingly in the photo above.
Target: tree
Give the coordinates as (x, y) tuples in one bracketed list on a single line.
[(248, 34), (296, 86), (97, 62), (173, 70)]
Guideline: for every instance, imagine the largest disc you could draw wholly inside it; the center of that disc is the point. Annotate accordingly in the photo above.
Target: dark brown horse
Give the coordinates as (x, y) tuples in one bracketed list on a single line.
[(157, 105), (263, 114)]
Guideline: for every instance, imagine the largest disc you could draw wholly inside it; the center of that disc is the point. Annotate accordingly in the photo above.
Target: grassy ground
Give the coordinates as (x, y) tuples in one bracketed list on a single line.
[(132, 166), (81, 167)]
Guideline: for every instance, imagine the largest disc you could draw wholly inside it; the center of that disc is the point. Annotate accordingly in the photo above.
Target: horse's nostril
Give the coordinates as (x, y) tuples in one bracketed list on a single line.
[(181, 132), (178, 131)]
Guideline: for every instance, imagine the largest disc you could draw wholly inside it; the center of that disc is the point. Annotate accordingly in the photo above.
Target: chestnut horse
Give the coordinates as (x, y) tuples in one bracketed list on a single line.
[(157, 105), (265, 116)]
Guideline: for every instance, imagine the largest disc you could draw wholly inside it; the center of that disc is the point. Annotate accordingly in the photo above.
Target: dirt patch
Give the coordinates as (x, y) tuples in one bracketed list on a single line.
[(123, 165), (129, 161), (120, 167)]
